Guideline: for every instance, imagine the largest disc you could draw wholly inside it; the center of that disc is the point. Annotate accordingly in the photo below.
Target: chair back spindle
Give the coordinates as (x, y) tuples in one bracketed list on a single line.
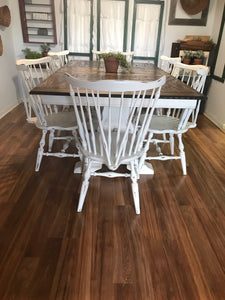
[(194, 76), (166, 63), (60, 58), (113, 142)]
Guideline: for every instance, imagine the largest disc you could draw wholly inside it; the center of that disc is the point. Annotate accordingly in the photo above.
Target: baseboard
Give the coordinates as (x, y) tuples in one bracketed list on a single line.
[(211, 118), (5, 112)]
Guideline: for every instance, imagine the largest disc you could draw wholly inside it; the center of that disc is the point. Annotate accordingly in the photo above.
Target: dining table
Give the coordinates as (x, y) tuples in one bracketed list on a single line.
[(174, 93)]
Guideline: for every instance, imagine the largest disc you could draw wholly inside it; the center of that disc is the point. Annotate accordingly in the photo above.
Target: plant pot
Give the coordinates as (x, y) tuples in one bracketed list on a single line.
[(111, 64), (44, 54), (186, 61), (198, 61)]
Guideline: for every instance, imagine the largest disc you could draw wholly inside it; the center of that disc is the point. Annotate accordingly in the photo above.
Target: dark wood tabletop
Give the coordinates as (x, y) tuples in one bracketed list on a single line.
[(93, 71)]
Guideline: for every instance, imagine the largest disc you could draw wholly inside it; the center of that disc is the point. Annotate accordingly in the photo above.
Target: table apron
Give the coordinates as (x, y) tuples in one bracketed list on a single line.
[(161, 103)]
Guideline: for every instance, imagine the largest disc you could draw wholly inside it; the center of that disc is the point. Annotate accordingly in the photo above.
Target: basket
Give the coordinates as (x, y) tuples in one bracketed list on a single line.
[(1, 46), (5, 17)]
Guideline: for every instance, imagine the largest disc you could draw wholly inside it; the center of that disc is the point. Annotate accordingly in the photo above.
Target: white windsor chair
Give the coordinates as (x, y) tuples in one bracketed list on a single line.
[(37, 70), (113, 143), (166, 63), (195, 76), (47, 118), (178, 121), (60, 58)]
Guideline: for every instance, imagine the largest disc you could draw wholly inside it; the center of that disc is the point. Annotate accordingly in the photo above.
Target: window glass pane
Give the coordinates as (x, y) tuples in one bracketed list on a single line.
[(112, 25), (78, 24), (146, 29)]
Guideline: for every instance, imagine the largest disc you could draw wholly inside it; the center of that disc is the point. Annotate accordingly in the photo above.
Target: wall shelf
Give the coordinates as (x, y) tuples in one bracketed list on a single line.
[(38, 21)]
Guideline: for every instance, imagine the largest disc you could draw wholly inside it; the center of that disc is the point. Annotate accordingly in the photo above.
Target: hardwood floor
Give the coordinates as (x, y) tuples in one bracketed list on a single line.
[(175, 249)]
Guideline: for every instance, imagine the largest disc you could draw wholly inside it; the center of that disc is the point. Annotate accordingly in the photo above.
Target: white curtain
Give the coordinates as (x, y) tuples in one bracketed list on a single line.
[(60, 23), (78, 24), (112, 20), (112, 25), (146, 30)]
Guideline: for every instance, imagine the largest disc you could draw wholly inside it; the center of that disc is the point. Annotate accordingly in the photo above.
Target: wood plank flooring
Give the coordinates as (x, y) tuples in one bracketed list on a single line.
[(175, 249)]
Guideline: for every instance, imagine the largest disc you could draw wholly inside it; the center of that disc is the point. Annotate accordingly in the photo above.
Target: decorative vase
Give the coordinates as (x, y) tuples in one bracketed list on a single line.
[(198, 61), (111, 64), (186, 61)]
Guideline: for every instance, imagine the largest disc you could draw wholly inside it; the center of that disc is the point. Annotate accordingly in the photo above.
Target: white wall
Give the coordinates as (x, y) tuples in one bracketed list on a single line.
[(18, 36), (8, 74), (174, 32), (215, 105), (12, 38)]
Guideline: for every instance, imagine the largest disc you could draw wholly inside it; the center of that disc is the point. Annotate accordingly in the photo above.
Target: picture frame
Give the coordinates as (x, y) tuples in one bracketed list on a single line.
[(182, 21)]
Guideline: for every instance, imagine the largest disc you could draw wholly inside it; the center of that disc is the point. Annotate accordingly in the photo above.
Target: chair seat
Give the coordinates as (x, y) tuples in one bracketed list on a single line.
[(110, 161), (59, 120), (159, 124)]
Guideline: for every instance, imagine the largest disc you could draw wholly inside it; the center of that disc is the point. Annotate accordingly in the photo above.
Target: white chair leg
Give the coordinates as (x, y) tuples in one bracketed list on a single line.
[(171, 144), (51, 139), (158, 148), (66, 145), (135, 190), (143, 157), (40, 150), (84, 188), (182, 154)]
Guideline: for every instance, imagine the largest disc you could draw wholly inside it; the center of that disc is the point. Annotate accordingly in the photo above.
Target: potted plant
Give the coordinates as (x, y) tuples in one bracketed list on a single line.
[(198, 57), (187, 57), (44, 49), (113, 60), (31, 54)]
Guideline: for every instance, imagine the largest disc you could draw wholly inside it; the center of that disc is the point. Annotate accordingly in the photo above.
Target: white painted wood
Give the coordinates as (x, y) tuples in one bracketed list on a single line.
[(165, 63), (167, 103), (109, 142), (32, 72), (176, 121), (60, 58), (195, 76), (46, 117), (146, 167)]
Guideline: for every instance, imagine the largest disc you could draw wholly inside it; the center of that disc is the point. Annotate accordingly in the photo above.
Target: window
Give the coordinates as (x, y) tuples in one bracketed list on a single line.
[(146, 32), (78, 18), (113, 25), (112, 20)]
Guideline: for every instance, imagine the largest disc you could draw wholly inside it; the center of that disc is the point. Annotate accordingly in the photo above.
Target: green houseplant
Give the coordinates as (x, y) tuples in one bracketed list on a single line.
[(188, 55), (198, 57), (44, 49), (113, 60), (31, 54)]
